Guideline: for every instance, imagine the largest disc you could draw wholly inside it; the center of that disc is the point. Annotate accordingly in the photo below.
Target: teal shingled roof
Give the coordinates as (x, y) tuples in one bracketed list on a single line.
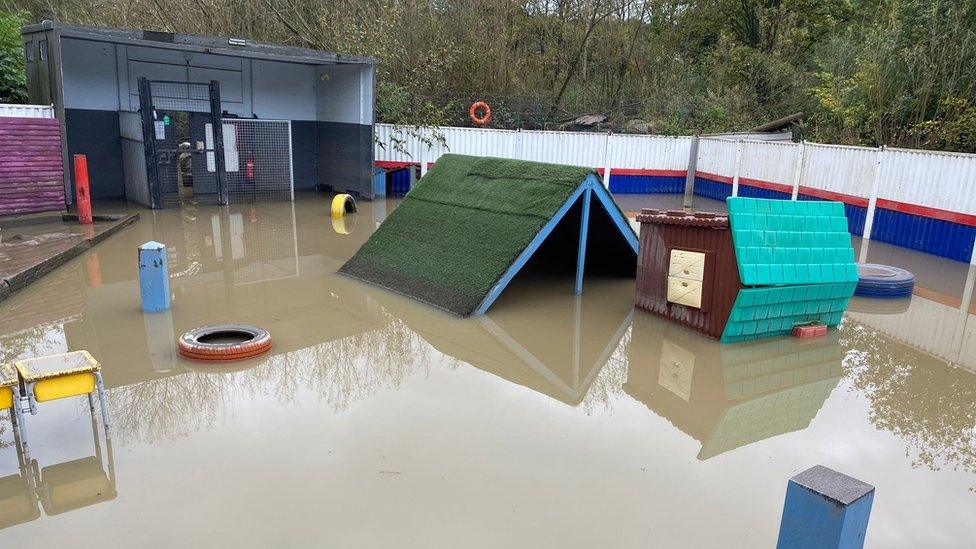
[(775, 310), (781, 242), (797, 263)]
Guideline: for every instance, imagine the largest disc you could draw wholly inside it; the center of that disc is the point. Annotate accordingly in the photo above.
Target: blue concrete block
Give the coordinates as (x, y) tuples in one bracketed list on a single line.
[(825, 509), (154, 277)]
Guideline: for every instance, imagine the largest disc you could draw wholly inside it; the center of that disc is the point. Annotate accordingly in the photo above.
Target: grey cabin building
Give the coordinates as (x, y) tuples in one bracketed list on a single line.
[(141, 106)]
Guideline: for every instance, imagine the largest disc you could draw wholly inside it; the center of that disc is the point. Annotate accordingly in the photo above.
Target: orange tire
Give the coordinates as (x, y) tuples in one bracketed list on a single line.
[(205, 343), (485, 116)]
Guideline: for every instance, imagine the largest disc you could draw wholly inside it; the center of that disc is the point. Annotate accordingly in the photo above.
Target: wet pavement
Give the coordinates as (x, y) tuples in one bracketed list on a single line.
[(31, 247), (553, 421)]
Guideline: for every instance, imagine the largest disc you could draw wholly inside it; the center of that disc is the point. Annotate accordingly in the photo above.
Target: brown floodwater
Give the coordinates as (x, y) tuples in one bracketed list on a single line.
[(553, 421)]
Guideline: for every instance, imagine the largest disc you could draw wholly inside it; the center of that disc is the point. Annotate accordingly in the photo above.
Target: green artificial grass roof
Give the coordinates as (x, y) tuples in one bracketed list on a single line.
[(458, 231)]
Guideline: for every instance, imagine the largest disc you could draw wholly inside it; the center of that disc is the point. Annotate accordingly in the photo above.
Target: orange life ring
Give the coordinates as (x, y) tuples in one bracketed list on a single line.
[(486, 113)]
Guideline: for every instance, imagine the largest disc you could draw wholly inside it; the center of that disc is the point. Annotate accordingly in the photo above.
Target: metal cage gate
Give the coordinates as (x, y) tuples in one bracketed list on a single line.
[(258, 160), (247, 160)]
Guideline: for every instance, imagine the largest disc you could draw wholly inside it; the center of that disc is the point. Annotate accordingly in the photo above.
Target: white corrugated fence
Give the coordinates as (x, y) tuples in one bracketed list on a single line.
[(934, 187), (26, 111)]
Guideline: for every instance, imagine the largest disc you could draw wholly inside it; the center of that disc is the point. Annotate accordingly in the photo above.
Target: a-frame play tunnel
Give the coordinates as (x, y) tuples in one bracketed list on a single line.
[(472, 224)]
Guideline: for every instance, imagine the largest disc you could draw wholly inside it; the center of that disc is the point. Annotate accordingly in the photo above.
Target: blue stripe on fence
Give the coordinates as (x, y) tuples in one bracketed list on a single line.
[(934, 236), (712, 189), (646, 184), (748, 191)]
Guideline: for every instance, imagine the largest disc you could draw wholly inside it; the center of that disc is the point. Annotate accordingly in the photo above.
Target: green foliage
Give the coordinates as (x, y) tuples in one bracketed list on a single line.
[(868, 72), (956, 130), (905, 76), (13, 82)]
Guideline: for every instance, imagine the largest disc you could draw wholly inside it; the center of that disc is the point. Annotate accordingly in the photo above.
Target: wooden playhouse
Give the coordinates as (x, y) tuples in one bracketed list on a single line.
[(759, 271)]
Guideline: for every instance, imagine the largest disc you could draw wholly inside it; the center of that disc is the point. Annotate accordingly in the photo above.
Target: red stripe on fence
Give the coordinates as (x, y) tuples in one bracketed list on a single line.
[(644, 172), (926, 211), (788, 189), (912, 209), (715, 177), (839, 197), (392, 165)]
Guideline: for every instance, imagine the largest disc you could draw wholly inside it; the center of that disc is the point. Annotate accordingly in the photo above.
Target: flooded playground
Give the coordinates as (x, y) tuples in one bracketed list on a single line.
[(552, 421)]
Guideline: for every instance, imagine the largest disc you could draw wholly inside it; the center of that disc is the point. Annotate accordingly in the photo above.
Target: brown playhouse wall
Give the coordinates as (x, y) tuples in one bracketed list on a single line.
[(31, 171), (660, 232)]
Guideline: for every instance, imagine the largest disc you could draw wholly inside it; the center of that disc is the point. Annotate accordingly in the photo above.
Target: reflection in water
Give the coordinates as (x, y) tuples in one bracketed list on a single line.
[(539, 335), (59, 487), (340, 372), (341, 342), (33, 324), (727, 396), (931, 405)]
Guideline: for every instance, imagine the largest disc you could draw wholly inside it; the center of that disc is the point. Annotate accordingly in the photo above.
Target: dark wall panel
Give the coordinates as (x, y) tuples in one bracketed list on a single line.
[(303, 153), (344, 158), (96, 134)]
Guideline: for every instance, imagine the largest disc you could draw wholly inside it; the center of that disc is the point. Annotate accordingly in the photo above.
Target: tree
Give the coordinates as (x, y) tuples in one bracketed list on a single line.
[(866, 72), (13, 79)]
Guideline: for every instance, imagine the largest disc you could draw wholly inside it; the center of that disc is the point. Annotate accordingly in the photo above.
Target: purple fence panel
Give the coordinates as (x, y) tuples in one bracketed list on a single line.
[(31, 169)]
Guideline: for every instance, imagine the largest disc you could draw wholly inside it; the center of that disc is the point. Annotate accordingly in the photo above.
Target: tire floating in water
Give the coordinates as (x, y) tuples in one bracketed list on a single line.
[(876, 280), (343, 204), (224, 342)]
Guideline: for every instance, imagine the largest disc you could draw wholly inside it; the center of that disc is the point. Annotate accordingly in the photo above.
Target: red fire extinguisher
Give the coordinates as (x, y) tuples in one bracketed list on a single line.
[(249, 169)]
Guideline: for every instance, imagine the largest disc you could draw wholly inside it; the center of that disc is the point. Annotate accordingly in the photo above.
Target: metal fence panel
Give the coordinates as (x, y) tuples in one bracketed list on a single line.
[(570, 148), (401, 143), (180, 96), (716, 156), (26, 111), (769, 161), (946, 181), (478, 142), (839, 169), (257, 159), (134, 158), (648, 152)]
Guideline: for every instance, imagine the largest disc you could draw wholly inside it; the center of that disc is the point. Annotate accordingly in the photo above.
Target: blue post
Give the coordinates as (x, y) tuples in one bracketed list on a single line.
[(581, 253), (825, 509), (153, 277)]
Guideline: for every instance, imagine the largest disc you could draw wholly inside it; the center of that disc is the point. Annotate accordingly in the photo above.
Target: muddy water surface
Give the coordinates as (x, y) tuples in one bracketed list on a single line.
[(553, 421)]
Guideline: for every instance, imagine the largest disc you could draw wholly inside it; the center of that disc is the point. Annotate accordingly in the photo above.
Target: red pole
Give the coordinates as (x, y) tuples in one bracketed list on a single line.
[(82, 195)]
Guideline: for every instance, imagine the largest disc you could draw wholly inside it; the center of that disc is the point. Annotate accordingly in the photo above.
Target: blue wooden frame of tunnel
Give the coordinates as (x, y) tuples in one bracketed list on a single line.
[(581, 252), (591, 188)]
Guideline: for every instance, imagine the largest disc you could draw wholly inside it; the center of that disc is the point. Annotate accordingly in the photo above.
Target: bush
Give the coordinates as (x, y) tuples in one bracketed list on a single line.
[(13, 78)]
